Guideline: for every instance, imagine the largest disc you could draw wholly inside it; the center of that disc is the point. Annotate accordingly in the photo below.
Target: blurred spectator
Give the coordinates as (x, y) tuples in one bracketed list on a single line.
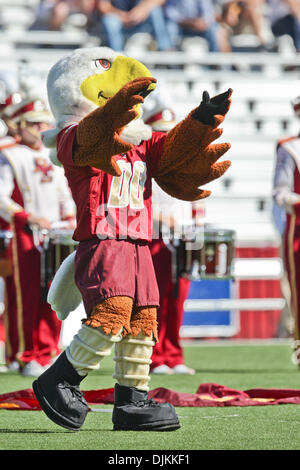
[(242, 17), (285, 19), (192, 18), (122, 18), (52, 14)]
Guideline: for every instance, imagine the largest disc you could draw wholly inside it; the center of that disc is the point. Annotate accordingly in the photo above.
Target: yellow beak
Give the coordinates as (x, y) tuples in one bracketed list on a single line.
[(99, 87)]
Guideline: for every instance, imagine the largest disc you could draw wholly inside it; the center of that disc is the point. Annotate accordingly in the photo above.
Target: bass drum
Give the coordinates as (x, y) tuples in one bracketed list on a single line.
[(56, 246)]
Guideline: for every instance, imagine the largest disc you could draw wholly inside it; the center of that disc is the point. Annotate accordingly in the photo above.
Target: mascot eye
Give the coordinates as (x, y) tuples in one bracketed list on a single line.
[(102, 64)]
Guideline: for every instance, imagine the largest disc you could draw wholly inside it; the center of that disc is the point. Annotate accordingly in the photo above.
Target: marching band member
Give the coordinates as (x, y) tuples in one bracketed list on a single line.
[(33, 193), (176, 217), (286, 214), (10, 96)]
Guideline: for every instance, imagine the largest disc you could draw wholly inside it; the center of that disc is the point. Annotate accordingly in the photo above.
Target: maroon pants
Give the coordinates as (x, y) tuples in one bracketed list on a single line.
[(170, 313), (292, 264), (32, 327)]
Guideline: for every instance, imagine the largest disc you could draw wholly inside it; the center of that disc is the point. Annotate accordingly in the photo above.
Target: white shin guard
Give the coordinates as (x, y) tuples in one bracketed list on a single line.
[(133, 359), (89, 347)]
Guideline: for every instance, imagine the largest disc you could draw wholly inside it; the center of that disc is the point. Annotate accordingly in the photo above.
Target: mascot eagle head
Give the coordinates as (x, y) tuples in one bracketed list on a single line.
[(84, 80)]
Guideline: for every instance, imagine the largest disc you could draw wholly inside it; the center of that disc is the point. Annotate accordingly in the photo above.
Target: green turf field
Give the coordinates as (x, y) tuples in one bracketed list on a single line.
[(239, 366)]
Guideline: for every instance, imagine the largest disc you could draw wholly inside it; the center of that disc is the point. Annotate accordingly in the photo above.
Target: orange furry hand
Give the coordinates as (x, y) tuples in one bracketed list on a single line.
[(98, 134), (189, 158)]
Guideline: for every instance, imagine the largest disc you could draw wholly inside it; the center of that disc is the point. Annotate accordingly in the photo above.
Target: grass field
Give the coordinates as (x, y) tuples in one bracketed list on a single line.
[(239, 366)]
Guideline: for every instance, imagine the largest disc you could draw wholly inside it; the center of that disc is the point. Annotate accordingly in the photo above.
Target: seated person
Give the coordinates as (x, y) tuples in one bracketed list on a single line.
[(192, 18), (122, 18)]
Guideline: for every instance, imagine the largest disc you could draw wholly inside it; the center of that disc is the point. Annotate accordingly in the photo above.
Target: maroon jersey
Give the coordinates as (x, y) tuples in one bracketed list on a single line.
[(110, 206)]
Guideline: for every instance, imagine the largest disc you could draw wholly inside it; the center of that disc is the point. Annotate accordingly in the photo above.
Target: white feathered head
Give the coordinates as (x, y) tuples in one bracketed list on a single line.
[(84, 80)]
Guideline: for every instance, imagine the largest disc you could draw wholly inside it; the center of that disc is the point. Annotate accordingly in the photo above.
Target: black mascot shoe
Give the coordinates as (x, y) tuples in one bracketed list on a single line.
[(57, 391), (133, 411)]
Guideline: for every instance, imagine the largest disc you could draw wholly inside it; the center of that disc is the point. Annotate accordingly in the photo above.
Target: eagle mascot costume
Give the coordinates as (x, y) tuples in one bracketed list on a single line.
[(110, 157)]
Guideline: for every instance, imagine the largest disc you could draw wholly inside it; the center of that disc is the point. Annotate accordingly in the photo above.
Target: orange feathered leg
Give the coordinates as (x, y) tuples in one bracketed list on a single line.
[(143, 319), (112, 314), (120, 313)]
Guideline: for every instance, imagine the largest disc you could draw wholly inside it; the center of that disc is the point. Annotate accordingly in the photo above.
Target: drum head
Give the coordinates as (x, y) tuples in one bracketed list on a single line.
[(62, 237), (218, 235), (7, 234)]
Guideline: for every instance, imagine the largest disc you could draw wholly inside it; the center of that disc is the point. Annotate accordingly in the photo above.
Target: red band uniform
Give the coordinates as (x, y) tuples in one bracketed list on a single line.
[(286, 193), (31, 188)]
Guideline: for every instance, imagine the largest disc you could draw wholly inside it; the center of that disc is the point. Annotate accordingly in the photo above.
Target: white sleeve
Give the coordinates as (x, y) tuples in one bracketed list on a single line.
[(8, 207), (67, 205), (283, 185)]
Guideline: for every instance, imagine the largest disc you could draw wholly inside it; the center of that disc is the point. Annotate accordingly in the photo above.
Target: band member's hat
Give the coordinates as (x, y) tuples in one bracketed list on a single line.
[(32, 111)]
